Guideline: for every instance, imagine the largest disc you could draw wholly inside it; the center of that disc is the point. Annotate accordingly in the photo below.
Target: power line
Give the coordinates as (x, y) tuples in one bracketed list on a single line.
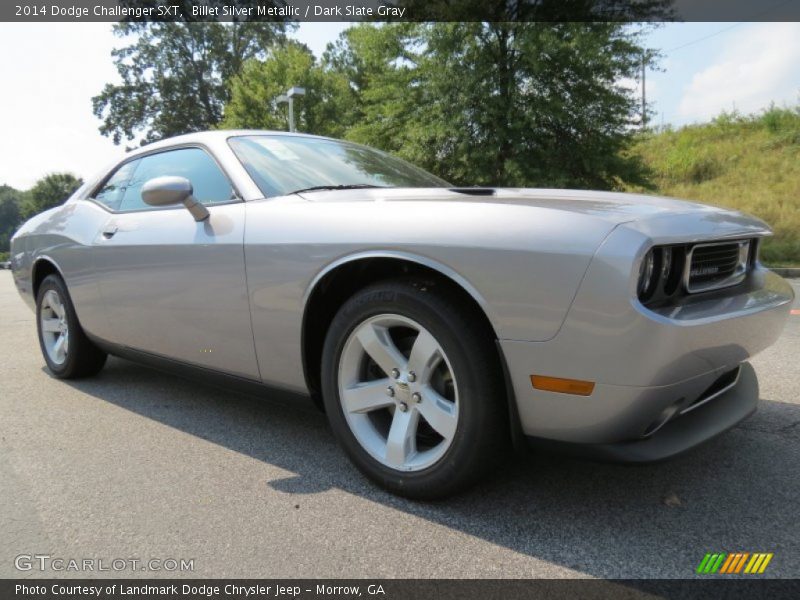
[(704, 38), (753, 18)]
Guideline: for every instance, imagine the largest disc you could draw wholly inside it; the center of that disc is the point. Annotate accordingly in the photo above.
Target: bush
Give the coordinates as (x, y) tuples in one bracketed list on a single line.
[(783, 124), (777, 120), (690, 164)]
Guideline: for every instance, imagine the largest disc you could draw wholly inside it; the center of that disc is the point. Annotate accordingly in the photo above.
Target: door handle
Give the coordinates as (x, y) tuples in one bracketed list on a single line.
[(109, 231)]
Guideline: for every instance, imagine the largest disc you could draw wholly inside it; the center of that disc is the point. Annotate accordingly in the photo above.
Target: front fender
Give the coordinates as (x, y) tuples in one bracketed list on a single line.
[(398, 255)]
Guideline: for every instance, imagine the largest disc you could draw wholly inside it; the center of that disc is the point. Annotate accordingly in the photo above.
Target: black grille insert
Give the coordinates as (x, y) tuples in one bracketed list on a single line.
[(718, 265)]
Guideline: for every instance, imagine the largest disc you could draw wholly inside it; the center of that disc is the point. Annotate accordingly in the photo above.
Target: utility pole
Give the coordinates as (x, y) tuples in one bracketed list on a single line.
[(644, 93)]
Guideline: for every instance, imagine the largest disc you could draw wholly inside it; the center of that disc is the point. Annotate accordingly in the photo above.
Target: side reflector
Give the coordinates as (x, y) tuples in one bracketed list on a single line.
[(564, 386)]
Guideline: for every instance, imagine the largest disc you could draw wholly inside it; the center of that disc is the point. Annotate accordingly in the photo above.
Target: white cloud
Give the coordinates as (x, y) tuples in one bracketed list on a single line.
[(635, 85), (758, 66), (49, 73), (317, 35)]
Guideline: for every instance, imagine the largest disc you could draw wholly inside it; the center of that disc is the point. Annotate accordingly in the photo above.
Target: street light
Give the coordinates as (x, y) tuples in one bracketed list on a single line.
[(288, 97)]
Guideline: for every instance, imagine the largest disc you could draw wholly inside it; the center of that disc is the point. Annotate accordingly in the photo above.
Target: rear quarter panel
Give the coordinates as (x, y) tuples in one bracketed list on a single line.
[(64, 236)]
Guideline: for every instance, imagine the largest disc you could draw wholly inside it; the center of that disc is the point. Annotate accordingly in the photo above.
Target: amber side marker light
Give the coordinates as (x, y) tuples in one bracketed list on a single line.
[(564, 386)]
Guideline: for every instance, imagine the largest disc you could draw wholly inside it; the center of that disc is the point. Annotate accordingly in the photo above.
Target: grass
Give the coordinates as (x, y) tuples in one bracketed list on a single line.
[(748, 163)]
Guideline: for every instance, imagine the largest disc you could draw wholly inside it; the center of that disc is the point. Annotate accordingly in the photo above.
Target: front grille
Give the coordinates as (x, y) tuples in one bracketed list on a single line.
[(717, 265)]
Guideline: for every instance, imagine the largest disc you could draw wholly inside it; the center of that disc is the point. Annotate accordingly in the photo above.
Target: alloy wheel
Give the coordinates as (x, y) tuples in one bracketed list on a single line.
[(398, 392), (55, 327)]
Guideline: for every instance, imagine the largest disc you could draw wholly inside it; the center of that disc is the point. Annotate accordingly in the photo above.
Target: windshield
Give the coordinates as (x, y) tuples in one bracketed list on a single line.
[(282, 164)]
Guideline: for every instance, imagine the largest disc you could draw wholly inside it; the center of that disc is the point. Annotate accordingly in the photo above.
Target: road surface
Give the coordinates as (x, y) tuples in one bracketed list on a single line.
[(139, 464)]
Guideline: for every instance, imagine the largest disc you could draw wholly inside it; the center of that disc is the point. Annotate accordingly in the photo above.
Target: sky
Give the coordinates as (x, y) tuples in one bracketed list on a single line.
[(50, 71)]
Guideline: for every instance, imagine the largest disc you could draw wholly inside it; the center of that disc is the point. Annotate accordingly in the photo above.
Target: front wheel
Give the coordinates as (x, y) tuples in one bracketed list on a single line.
[(413, 389)]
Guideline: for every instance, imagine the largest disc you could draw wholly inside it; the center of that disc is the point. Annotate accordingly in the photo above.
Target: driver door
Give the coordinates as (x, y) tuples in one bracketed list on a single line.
[(172, 286)]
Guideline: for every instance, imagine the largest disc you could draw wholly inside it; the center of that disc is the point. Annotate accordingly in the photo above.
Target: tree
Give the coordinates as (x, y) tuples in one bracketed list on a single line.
[(10, 214), (51, 190), (175, 75), (381, 65), (506, 103), (326, 109)]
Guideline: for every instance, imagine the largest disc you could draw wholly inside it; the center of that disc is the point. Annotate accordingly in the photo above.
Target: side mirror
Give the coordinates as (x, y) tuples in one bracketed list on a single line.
[(164, 191)]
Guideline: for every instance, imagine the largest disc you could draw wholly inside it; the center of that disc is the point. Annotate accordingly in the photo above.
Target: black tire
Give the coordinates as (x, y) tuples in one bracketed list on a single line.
[(482, 432), (83, 358)]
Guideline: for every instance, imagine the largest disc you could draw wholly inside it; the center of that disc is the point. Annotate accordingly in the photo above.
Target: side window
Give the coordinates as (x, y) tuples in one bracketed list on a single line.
[(112, 191), (209, 183)]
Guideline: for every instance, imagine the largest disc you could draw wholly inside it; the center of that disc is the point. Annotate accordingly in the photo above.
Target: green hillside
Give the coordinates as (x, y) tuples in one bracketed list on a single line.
[(749, 163)]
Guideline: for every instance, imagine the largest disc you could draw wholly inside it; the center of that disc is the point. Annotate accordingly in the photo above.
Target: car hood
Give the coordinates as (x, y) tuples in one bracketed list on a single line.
[(614, 207), (660, 218)]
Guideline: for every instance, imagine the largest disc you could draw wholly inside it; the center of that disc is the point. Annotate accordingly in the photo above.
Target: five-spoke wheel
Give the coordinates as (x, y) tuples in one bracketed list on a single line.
[(65, 347), (55, 329), (413, 389), (398, 392)]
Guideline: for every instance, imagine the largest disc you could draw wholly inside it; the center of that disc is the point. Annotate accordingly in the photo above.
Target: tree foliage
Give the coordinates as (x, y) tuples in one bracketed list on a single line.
[(10, 214), (51, 190), (507, 103), (382, 66), (493, 103), (174, 76), (16, 205), (254, 94), (515, 104)]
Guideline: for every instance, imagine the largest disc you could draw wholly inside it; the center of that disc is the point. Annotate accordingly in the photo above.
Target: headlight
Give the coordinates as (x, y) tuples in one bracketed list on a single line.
[(660, 274), (647, 275), (666, 262)]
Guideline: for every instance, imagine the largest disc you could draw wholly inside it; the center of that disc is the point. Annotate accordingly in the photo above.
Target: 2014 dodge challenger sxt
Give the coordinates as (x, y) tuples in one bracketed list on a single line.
[(432, 323)]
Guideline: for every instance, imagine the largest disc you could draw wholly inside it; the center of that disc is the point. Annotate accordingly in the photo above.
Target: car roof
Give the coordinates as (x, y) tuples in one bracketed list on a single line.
[(213, 137), (214, 140)]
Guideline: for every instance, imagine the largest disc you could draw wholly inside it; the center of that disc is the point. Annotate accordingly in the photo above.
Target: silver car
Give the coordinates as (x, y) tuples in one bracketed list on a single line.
[(437, 326)]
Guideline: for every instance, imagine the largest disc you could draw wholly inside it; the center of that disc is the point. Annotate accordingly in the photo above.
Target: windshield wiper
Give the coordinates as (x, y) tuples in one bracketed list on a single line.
[(347, 186)]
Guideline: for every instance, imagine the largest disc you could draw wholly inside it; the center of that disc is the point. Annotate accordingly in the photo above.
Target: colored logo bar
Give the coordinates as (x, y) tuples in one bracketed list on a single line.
[(734, 563)]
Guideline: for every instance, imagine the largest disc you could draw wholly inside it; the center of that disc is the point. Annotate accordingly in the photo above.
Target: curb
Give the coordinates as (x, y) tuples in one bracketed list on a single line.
[(786, 271)]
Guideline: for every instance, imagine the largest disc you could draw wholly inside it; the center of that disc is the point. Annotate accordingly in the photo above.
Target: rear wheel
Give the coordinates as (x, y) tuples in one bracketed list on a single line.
[(413, 390), (65, 347)]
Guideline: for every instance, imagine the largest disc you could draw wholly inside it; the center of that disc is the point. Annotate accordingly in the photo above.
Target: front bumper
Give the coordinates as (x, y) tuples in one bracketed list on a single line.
[(678, 435), (647, 365)]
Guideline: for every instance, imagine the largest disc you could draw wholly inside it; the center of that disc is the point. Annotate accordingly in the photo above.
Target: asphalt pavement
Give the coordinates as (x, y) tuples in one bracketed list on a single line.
[(135, 463)]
